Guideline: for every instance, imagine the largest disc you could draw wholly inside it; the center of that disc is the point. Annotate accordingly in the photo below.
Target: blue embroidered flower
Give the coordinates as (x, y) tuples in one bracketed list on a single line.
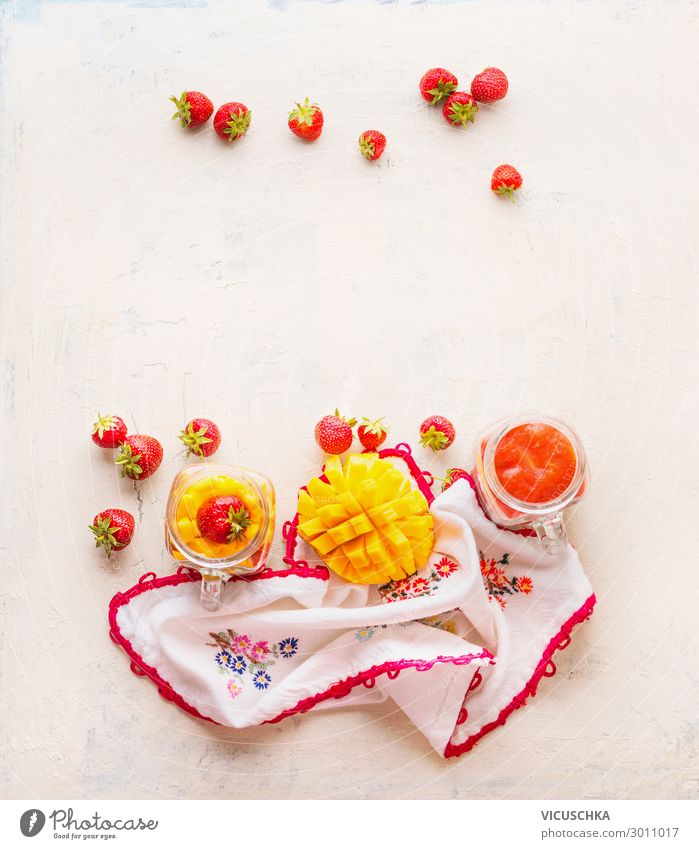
[(261, 679), (238, 664), (365, 633), (288, 647), (225, 658)]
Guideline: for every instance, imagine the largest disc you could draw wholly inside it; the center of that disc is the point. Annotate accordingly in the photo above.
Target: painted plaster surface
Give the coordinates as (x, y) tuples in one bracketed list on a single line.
[(161, 274)]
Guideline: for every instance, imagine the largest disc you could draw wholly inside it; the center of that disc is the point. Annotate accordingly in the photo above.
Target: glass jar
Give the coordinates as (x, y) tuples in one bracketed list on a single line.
[(245, 544), (528, 470)]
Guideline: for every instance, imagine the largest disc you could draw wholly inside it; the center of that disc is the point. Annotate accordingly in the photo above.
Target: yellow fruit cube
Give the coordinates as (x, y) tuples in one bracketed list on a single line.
[(188, 529), (355, 551), (332, 514), (306, 505), (342, 533), (312, 528), (321, 492)]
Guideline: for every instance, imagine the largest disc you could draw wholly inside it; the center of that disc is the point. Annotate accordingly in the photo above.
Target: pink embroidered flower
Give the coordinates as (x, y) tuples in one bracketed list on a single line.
[(418, 586), (240, 643), (234, 688), (259, 651), (445, 567), (524, 584)]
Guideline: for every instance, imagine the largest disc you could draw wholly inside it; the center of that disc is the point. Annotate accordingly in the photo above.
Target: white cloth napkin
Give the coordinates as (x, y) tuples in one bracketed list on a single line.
[(456, 647)]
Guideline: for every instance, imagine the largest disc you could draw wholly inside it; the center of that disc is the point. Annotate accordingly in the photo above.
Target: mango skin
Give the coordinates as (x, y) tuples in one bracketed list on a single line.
[(365, 520)]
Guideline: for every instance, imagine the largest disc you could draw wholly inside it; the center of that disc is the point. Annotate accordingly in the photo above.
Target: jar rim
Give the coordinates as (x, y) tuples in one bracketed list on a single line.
[(534, 508)]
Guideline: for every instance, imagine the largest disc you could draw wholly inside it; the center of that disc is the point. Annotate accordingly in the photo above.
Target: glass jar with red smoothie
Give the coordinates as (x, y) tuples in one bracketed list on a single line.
[(528, 470)]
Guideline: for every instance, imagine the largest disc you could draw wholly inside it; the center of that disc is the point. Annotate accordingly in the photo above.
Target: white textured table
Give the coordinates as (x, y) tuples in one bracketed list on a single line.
[(160, 274)]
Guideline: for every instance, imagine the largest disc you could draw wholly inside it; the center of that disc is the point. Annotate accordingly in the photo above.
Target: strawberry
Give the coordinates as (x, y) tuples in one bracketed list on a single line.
[(306, 120), (334, 433), (223, 519), (139, 456), (372, 434), (372, 144), (113, 530), (232, 121), (437, 433), (506, 180), (193, 108), (454, 475), (459, 108), (490, 85), (108, 431), (437, 84), (201, 437)]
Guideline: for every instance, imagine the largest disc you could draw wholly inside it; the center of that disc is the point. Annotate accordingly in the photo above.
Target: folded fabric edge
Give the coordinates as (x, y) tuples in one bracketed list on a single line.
[(545, 668), (367, 678), (337, 690)]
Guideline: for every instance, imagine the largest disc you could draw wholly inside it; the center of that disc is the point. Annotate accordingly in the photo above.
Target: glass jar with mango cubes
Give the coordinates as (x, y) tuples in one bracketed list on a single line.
[(220, 520)]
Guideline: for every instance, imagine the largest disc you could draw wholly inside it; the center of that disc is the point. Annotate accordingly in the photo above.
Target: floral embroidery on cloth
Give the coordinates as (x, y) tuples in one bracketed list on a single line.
[(239, 654), (497, 583), (413, 587)]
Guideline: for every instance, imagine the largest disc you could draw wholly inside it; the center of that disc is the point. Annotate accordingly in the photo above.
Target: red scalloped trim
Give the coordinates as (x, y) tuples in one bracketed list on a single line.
[(338, 690), (392, 668), (560, 641)]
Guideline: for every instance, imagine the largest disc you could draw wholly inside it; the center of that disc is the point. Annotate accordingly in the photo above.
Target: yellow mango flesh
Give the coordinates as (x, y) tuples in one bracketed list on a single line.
[(365, 520)]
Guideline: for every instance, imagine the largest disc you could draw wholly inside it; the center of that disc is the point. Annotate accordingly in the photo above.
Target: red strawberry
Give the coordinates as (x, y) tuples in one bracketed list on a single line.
[(139, 456), (306, 121), (437, 433), (232, 121), (459, 108), (223, 519), (437, 84), (506, 180), (108, 431), (372, 144), (490, 85), (193, 108), (201, 437), (334, 433), (372, 434), (454, 475), (113, 530)]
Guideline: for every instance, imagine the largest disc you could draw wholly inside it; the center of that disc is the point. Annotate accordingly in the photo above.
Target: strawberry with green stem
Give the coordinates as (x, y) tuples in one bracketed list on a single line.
[(452, 476), (506, 180), (201, 437), (193, 108), (334, 433), (306, 120), (223, 519), (372, 144), (437, 84), (113, 530), (232, 121), (437, 433), (108, 431), (372, 433), (139, 456), (460, 108)]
